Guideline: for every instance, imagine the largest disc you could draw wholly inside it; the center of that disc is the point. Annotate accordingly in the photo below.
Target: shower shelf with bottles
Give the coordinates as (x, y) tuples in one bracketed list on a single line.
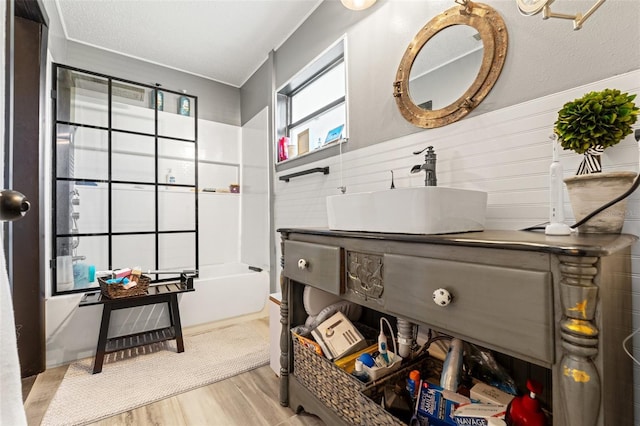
[(125, 173)]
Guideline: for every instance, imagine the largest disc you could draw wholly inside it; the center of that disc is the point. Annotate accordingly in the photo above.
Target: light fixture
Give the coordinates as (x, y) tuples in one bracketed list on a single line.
[(531, 7), (357, 4)]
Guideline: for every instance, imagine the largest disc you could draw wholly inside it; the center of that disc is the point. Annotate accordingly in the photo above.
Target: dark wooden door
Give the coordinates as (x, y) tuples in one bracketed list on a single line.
[(26, 59)]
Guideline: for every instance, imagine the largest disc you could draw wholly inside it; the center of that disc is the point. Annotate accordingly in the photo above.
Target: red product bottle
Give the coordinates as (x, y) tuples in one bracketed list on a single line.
[(283, 144), (525, 410)]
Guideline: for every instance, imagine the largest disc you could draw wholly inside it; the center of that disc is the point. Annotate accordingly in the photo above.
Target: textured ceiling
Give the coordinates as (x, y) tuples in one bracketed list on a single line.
[(223, 40)]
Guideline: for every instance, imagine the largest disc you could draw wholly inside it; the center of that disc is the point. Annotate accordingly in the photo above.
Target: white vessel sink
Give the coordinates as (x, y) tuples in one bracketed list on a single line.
[(420, 210)]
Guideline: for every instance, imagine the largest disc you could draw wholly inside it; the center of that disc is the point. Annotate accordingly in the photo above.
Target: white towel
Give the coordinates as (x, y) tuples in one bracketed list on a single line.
[(11, 407)]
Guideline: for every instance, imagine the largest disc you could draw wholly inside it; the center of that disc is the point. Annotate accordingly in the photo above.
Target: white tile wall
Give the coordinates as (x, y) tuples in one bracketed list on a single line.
[(506, 153)]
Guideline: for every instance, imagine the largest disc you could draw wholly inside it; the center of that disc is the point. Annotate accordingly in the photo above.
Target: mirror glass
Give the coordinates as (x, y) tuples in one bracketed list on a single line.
[(451, 65), (445, 67)]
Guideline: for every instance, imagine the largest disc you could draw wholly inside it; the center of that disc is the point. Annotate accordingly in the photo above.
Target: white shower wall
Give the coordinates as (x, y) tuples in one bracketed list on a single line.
[(255, 229)]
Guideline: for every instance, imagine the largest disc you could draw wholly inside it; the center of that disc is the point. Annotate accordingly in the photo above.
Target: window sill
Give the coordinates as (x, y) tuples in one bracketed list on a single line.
[(329, 150)]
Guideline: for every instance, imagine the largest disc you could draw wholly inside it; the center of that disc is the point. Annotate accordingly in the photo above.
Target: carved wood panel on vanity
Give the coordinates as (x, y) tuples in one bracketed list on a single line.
[(550, 301)]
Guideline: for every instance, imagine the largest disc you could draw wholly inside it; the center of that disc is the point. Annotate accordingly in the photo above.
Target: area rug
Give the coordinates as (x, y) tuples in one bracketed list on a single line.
[(140, 376)]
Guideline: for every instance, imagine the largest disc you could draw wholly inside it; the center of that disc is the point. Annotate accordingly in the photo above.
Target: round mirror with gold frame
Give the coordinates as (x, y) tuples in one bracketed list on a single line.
[(443, 34)]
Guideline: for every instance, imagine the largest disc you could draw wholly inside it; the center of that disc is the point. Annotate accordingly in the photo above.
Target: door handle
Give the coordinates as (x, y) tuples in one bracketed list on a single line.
[(13, 205)]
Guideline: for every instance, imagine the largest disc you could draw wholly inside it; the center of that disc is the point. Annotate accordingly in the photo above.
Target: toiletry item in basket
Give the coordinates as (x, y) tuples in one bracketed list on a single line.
[(367, 360), (450, 378), (121, 280), (347, 363), (480, 414), (437, 405), (359, 373), (338, 337), (382, 348), (413, 384), (119, 273), (482, 392)]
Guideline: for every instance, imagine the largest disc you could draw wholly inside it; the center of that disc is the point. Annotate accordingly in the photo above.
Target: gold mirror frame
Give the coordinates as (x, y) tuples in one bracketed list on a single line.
[(493, 33)]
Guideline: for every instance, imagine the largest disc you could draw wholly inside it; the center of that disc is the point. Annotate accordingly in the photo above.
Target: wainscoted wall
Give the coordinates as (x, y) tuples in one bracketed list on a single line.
[(506, 153)]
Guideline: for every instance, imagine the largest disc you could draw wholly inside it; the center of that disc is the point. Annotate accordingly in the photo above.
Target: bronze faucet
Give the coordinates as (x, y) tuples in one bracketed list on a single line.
[(429, 166)]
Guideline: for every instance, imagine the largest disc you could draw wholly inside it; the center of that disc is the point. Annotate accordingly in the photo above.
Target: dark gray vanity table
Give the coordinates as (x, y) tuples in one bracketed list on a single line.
[(560, 304)]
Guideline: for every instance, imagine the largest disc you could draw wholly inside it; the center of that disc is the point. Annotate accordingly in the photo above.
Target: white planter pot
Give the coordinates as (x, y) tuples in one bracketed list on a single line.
[(591, 191)]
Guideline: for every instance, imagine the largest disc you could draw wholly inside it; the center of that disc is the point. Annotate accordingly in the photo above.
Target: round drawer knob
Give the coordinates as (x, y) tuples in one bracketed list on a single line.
[(303, 264), (442, 297)]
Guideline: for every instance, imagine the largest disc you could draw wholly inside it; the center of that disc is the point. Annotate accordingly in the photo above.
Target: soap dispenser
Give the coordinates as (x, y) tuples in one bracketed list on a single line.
[(525, 410)]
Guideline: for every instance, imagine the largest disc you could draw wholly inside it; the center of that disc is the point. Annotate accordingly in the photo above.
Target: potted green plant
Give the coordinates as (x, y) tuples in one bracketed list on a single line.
[(587, 126)]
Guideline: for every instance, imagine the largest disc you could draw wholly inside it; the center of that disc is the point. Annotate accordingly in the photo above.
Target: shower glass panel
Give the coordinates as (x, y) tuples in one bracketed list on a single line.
[(81, 152), (82, 98), (176, 209), (133, 157), (177, 251), (116, 144), (134, 250), (131, 208), (72, 268), (178, 116), (132, 108), (82, 208), (177, 159)]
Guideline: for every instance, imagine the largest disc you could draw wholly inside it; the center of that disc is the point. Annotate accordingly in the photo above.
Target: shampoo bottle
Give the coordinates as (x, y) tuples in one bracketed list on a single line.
[(184, 105)]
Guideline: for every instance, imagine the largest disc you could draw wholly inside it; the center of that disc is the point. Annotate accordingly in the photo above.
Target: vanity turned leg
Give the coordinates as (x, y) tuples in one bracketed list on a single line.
[(579, 378), (284, 330)]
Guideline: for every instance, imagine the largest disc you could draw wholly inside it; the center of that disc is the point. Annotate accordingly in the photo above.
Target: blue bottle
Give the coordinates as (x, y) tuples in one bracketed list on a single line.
[(160, 100), (184, 105), (359, 373)]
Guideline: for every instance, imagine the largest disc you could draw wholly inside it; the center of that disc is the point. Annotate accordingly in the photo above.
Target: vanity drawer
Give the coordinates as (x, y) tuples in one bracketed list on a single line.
[(315, 264), (507, 308)]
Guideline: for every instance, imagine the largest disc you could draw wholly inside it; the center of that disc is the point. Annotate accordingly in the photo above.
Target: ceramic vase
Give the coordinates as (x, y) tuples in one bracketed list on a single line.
[(589, 192)]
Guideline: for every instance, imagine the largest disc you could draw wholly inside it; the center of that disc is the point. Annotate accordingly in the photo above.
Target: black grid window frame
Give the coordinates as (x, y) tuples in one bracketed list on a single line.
[(109, 181), (318, 112)]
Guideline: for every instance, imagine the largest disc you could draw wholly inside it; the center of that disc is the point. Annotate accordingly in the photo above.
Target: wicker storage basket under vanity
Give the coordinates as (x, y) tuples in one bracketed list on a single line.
[(337, 389), (116, 291)]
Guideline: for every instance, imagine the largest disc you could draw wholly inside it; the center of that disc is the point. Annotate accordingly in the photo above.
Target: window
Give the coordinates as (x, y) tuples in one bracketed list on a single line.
[(312, 108), (125, 178)]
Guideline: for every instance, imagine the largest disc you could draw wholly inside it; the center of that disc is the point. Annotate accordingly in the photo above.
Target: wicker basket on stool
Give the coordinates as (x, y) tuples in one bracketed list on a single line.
[(116, 291)]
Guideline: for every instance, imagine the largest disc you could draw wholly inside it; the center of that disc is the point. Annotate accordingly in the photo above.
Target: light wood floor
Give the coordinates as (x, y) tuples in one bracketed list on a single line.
[(250, 398)]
